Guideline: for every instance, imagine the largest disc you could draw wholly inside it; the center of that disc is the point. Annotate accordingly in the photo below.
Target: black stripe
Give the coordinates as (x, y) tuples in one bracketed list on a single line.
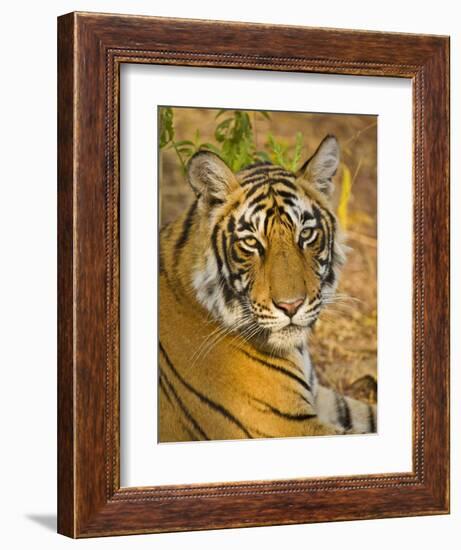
[(243, 225), (317, 213), (305, 216), (296, 394), (228, 292), (288, 220), (287, 416), (223, 259), (344, 413), (213, 201), (312, 376), (256, 165), (289, 202), (330, 277), (234, 278), (228, 297), (269, 213), (174, 288), (260, 248), (184, 409), (371, 419), (331, 218), (331, 223), (191, 434), (329, 227), (162, 386), (186, 227), (282, 370), (287, 195), (257, 208), (257, 200), (321, 244), (271, 177), (271, 183), (255, 189), (257, 180), (214, 242), (231, 224), (235, 255), (203, 398), (288, 183), (267, 170)]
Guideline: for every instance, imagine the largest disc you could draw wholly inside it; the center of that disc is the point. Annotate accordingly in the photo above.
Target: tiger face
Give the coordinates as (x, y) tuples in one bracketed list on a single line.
[(271, 247)]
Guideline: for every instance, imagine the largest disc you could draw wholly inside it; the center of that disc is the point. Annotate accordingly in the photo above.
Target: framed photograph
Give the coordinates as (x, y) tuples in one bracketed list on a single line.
[(253, 275)]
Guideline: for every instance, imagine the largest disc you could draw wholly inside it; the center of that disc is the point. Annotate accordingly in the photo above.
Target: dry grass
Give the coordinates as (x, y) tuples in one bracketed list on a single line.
[(344, 341)]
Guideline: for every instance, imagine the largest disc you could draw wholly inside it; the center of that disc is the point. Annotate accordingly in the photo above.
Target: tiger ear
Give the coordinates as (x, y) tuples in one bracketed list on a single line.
[(321, 167), (210, 177)]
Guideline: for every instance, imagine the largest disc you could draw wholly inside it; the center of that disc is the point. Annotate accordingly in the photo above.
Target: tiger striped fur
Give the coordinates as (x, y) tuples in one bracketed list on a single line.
[(244, 274)]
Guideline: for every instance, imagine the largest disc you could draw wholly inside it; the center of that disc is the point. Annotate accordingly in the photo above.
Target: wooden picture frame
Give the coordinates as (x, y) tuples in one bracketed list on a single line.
[(92, 48)]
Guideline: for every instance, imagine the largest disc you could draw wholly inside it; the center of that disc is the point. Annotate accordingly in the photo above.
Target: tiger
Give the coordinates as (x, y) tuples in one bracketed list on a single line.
[(244, 273)]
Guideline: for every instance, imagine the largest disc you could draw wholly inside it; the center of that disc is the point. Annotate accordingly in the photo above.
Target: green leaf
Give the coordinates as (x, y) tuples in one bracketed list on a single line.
[(166, 128), (184, 142), (186, 150), (278, 151), (234, 141), (221, 130), (220, 112), (297, 153), (262, 155)]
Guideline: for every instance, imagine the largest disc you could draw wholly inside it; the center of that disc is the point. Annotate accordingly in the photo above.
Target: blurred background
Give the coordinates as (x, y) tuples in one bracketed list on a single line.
[(343, 343)]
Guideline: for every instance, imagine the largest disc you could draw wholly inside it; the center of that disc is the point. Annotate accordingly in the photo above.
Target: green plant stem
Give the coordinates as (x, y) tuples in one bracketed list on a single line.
[(183, 164)]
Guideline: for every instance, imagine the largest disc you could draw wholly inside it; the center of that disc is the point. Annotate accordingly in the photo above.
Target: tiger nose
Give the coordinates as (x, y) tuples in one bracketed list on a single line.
[(290, 308)]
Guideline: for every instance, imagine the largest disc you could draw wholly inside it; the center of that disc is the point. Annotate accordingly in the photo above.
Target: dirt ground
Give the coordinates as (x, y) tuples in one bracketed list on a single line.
[(344, 341)]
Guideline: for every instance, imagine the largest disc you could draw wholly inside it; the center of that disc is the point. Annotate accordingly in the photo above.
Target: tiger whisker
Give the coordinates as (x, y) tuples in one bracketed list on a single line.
[(215, 337)]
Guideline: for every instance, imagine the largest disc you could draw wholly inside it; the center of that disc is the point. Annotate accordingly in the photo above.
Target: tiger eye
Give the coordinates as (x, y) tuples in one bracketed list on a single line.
[(306, 232), (308, 235), (250, 241)]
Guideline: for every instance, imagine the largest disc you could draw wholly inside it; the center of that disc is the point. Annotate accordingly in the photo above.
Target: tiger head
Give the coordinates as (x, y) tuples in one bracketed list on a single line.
[(269, 251)]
